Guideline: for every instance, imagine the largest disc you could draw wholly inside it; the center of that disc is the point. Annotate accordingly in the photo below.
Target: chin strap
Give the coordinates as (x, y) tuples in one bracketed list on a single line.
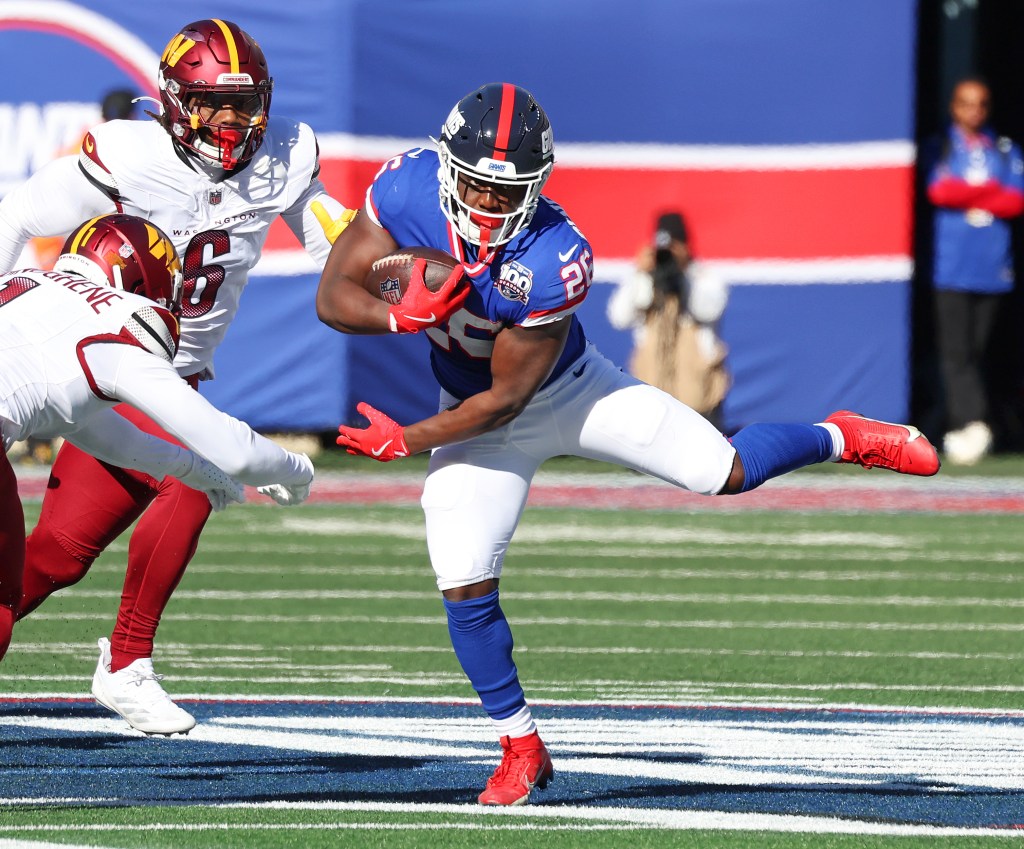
[(485, 239)]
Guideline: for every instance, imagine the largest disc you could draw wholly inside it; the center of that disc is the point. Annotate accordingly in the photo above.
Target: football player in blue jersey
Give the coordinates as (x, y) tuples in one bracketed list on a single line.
[(520, 382)]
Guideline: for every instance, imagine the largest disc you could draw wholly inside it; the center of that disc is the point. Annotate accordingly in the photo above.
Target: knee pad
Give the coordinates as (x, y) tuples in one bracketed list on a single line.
[(56, 558)]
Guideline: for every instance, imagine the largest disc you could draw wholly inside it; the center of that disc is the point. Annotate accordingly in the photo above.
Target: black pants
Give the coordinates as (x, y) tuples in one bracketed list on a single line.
[(964, 322)]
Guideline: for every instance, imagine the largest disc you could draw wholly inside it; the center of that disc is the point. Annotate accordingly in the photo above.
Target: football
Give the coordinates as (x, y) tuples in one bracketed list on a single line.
[(388, 277)]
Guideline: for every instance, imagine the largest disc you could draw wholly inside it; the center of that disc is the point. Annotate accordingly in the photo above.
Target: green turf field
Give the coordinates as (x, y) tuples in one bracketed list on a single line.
[(607, 606)]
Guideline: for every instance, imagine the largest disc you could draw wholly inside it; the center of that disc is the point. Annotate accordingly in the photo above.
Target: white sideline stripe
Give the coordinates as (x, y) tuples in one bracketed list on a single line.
[(631, 598), (630, 574), (643, 702), (611, 691), (180, 654), (852, 270), (596, 818), (337, 826), (956, 627), (36, 844), (725, 551), (887, 153), (649, 533), (663, 820)]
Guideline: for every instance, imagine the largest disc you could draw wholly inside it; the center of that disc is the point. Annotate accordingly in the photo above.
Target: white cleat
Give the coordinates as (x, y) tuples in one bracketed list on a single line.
[(965, 447), (135, 694)]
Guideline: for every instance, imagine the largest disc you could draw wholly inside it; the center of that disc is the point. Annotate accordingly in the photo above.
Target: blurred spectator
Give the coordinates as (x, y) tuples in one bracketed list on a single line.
[(118, 104), (976, 183), (673, 306)]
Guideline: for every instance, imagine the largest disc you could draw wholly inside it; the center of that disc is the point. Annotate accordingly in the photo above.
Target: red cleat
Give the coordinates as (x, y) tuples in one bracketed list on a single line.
[(869, 442), (526, 764)]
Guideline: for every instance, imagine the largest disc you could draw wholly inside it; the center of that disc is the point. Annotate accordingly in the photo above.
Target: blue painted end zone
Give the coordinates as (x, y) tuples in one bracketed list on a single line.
[(683, 759)]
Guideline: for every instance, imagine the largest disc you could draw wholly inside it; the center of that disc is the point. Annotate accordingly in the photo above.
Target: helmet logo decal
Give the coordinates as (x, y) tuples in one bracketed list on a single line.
[(178, 47), (455, 122), (547, 141), (126, 250)]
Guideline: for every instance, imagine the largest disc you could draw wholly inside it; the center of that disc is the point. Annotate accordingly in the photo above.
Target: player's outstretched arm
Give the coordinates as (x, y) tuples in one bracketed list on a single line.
[(151, 385), (115, 440)]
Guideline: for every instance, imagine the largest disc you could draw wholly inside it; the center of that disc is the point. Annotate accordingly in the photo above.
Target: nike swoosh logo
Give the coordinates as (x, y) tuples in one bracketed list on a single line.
[(565, 257), (579, 372), (426, 320), (376, 452), (88, 144)]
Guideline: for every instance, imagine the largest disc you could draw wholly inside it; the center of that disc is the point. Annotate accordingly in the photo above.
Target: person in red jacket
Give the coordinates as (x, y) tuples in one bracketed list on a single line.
[(976, 183)]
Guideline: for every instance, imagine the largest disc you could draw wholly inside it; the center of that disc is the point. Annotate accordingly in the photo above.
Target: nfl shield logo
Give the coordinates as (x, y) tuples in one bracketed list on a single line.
[(214, 197), (391, 290)]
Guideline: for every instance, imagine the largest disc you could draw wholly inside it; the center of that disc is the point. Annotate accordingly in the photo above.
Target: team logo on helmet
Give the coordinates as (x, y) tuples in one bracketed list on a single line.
[(514, 282)]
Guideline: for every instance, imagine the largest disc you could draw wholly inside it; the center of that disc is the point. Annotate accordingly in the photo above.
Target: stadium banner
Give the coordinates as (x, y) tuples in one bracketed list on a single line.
[(783, 132)]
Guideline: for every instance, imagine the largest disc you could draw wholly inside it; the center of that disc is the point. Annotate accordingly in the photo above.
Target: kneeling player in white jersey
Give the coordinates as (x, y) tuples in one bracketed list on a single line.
[(521, 383), (213, 171), (99, 330)]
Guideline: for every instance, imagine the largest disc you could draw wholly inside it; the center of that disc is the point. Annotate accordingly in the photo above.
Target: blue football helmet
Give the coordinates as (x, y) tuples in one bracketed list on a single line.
[(497, 134)]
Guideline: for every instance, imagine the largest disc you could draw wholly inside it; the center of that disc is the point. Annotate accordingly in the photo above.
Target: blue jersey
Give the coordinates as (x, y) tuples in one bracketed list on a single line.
[(541, 275), (973, 248)]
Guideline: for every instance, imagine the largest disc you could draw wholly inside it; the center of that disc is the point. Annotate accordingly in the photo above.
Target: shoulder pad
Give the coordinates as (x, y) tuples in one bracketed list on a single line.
[(93, 168), (156, 330)]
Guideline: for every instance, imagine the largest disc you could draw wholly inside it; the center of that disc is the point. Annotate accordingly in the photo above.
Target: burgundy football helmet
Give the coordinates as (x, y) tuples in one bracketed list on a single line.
[(126, 252), (207, 67)]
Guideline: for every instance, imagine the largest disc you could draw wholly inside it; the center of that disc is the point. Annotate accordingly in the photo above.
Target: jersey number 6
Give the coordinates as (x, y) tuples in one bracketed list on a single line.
[(201, 281)]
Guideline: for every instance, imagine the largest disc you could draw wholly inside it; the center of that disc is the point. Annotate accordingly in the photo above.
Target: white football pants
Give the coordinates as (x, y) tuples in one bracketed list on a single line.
[(476, 490)]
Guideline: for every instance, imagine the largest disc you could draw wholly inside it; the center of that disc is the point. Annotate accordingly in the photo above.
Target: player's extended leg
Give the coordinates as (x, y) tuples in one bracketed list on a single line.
[(473, 498), (161, 547), (12, 550), (622, 420), (86, 506)]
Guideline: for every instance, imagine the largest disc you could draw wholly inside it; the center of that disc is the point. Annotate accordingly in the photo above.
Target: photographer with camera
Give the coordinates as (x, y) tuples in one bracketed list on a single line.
[(673, 306)]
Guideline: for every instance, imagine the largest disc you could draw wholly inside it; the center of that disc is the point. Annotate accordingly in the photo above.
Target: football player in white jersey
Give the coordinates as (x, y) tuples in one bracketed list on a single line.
[(213, 171), (101, 328)]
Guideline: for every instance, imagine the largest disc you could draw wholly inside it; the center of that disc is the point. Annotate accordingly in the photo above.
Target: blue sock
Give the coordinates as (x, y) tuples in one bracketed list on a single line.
[(482, 641), (770, 450)]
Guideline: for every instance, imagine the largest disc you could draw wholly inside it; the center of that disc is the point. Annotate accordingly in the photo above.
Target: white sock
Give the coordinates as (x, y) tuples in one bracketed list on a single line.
[(520, 724), (838, 443)]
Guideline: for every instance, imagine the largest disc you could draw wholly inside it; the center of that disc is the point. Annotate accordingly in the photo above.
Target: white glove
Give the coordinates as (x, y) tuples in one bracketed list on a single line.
[(287, 495), (219, 486)]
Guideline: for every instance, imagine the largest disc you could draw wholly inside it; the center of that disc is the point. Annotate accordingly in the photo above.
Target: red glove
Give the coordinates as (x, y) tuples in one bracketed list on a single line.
[(383, 440), (420, 308)]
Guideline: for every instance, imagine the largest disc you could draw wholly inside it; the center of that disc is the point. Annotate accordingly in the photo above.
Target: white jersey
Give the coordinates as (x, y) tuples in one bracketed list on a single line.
[(70, 350), (218, 224)]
